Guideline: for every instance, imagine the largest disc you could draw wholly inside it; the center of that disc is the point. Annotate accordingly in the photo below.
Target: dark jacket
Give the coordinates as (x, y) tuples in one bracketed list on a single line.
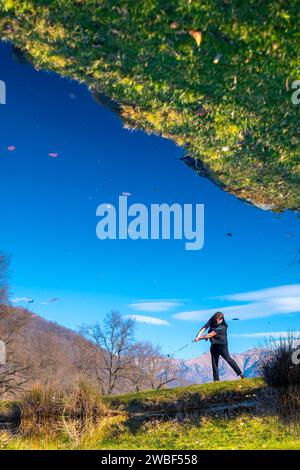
[(220, 329)]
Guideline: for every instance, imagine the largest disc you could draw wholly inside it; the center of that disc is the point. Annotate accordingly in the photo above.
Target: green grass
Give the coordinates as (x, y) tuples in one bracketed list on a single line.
[(235, 116), (243, 432), (120, 430), (204, 394)]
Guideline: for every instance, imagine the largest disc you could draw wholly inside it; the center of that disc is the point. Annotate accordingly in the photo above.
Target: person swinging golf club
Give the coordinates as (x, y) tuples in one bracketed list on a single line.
[(217, 334)]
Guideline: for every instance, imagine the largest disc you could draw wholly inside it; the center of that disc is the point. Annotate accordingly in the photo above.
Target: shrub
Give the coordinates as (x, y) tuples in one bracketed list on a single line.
[(50, 412), (41, 408), (84, 403), (276, 365), (280, 371)]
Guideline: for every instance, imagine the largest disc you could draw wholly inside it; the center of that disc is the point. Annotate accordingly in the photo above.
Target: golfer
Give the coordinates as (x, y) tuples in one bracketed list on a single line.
[(217, 334)]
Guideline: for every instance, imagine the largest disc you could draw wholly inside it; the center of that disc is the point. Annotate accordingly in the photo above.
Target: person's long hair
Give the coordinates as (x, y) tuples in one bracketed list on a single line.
[(218, 315)]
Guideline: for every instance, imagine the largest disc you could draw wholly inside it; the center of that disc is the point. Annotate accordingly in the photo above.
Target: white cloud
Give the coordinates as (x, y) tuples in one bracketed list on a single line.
[(263, 303), (17, 300), (287, 304), (269, 334), (155, 305), (292, 290), (149, 320)]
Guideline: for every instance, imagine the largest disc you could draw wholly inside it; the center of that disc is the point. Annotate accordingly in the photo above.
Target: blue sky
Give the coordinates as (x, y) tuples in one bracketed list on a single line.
[(48, 225)]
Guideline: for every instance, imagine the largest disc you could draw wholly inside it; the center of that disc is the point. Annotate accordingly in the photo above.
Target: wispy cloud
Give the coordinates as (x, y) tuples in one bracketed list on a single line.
[(149, 320), (292, 290), (18, 300), (264, 303), (50, 301), (155, 305), (269, 334)]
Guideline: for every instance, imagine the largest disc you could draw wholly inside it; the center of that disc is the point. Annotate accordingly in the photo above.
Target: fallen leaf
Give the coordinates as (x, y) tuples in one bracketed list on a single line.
[(287, 84), (197, 35)]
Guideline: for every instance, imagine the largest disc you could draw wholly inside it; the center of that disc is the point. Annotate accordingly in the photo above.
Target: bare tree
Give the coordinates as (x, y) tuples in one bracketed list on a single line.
[(106, 354), (14, 372), (114, 341), (150, 368), (142, 355), (163, 371)]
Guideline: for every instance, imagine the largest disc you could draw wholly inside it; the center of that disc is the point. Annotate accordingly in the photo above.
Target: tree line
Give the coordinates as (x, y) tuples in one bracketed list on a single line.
[(106, 355)]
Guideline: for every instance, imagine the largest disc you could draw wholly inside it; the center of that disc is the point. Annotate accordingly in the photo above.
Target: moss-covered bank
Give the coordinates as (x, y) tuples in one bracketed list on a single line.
[(213, 76)]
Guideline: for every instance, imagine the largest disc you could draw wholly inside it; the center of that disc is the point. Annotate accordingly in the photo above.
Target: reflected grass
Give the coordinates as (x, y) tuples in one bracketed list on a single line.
[(228, 102)]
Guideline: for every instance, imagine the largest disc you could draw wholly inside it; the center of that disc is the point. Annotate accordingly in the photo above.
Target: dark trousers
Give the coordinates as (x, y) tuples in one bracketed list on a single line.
[(217, 350)]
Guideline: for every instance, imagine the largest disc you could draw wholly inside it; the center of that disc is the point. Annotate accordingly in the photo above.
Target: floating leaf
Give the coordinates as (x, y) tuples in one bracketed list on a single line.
[(11, 148), (53, 155), (197, 35)]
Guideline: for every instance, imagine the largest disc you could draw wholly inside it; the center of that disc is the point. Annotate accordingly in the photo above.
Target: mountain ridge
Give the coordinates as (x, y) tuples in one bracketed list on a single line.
[(198, 370)]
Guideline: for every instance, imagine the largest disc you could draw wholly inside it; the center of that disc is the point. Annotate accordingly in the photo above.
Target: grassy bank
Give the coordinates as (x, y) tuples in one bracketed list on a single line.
[(191, 397), (119, 427), (242, 432), (213, 76)]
